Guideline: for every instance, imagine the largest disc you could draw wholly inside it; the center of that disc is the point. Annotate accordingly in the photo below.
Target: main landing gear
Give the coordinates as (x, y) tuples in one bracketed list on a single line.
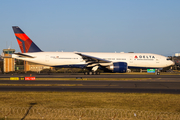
[(92, 73)]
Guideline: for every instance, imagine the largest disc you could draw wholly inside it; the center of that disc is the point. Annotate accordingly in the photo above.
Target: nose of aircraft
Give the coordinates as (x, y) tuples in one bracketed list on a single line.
[(172, 63)]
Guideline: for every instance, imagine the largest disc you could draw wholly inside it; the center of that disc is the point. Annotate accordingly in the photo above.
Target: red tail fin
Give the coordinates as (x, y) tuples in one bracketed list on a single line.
[(25, 43)]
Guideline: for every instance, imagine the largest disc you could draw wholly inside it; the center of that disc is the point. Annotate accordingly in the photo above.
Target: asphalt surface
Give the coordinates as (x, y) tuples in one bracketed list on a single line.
[(156, 84)]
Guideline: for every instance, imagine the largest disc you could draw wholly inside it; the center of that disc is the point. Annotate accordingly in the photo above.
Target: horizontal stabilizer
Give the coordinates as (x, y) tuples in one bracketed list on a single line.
[(23, 55)]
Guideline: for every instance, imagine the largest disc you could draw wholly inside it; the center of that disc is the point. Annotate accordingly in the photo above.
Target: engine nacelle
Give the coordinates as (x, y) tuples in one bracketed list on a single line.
[(120, 67)]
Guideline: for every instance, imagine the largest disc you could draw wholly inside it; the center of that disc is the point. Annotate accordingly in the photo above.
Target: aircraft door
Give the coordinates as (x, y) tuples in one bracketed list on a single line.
[(157, 60), (47, 58), (131, 59)]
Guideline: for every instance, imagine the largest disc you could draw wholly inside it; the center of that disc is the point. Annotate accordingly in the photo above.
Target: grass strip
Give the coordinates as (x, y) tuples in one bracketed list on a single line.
[(88, 79), (53, 85), (91, 100)]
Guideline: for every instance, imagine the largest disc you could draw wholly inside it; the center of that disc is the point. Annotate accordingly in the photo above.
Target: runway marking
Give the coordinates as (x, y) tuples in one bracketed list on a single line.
[(14, 78)]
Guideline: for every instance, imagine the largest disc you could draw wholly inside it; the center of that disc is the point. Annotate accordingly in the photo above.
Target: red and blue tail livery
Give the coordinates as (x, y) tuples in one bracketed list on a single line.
[(25, 43)]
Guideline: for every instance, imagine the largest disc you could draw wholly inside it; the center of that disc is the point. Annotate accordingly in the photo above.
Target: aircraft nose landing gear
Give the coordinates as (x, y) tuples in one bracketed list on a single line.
[(157, 72)]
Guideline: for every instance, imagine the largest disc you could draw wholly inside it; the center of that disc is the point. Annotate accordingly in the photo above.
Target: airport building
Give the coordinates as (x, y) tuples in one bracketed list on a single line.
[(177, 54), (1, 64), (9, 63), (28, 66)]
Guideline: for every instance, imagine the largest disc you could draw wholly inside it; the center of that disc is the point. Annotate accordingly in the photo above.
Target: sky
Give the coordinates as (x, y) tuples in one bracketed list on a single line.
[(141, 26)]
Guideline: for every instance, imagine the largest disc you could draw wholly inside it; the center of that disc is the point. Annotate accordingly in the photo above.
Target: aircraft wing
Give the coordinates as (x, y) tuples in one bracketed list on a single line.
[(91, 59), (23, 55)]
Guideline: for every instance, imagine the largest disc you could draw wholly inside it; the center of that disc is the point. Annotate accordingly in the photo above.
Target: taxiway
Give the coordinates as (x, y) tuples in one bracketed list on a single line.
[(154, 84)]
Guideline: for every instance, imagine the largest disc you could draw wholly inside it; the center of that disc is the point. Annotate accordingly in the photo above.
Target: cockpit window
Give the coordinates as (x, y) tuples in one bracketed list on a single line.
[(168, 59)]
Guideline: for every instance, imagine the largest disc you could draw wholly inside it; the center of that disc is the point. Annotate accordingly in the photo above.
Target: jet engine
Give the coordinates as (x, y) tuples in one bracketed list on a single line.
[(120, 67)]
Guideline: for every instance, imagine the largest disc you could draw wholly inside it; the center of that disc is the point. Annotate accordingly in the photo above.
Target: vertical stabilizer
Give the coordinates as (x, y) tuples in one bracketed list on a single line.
[(25, 43)]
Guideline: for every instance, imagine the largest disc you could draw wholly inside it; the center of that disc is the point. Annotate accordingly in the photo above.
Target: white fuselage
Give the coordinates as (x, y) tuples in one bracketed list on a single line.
[(65, 59)]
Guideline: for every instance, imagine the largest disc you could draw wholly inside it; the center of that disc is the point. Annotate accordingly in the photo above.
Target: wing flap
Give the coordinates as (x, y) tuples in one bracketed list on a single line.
[(92, 59)]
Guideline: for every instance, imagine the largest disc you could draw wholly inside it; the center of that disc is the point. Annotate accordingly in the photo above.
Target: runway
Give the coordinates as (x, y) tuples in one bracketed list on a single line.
[(156, 84)]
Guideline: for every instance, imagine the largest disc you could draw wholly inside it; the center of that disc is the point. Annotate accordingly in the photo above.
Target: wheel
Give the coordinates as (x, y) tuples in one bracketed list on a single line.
[(90, 73), (86, 73), (97, 73), (94, 73), (157, 73)]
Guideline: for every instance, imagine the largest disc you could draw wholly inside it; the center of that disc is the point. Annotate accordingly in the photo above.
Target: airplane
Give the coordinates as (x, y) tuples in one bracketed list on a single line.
[(92, 61)]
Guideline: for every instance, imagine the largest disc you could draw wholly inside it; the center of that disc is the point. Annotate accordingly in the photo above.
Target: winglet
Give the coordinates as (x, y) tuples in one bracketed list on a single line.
[(25, 43)]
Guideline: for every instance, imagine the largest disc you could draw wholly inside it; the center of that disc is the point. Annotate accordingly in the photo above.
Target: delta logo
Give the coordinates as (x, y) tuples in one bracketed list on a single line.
[(144, 57)]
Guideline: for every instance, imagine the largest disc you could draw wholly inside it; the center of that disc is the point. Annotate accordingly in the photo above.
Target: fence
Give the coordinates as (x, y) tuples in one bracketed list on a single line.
[(34, 113)]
